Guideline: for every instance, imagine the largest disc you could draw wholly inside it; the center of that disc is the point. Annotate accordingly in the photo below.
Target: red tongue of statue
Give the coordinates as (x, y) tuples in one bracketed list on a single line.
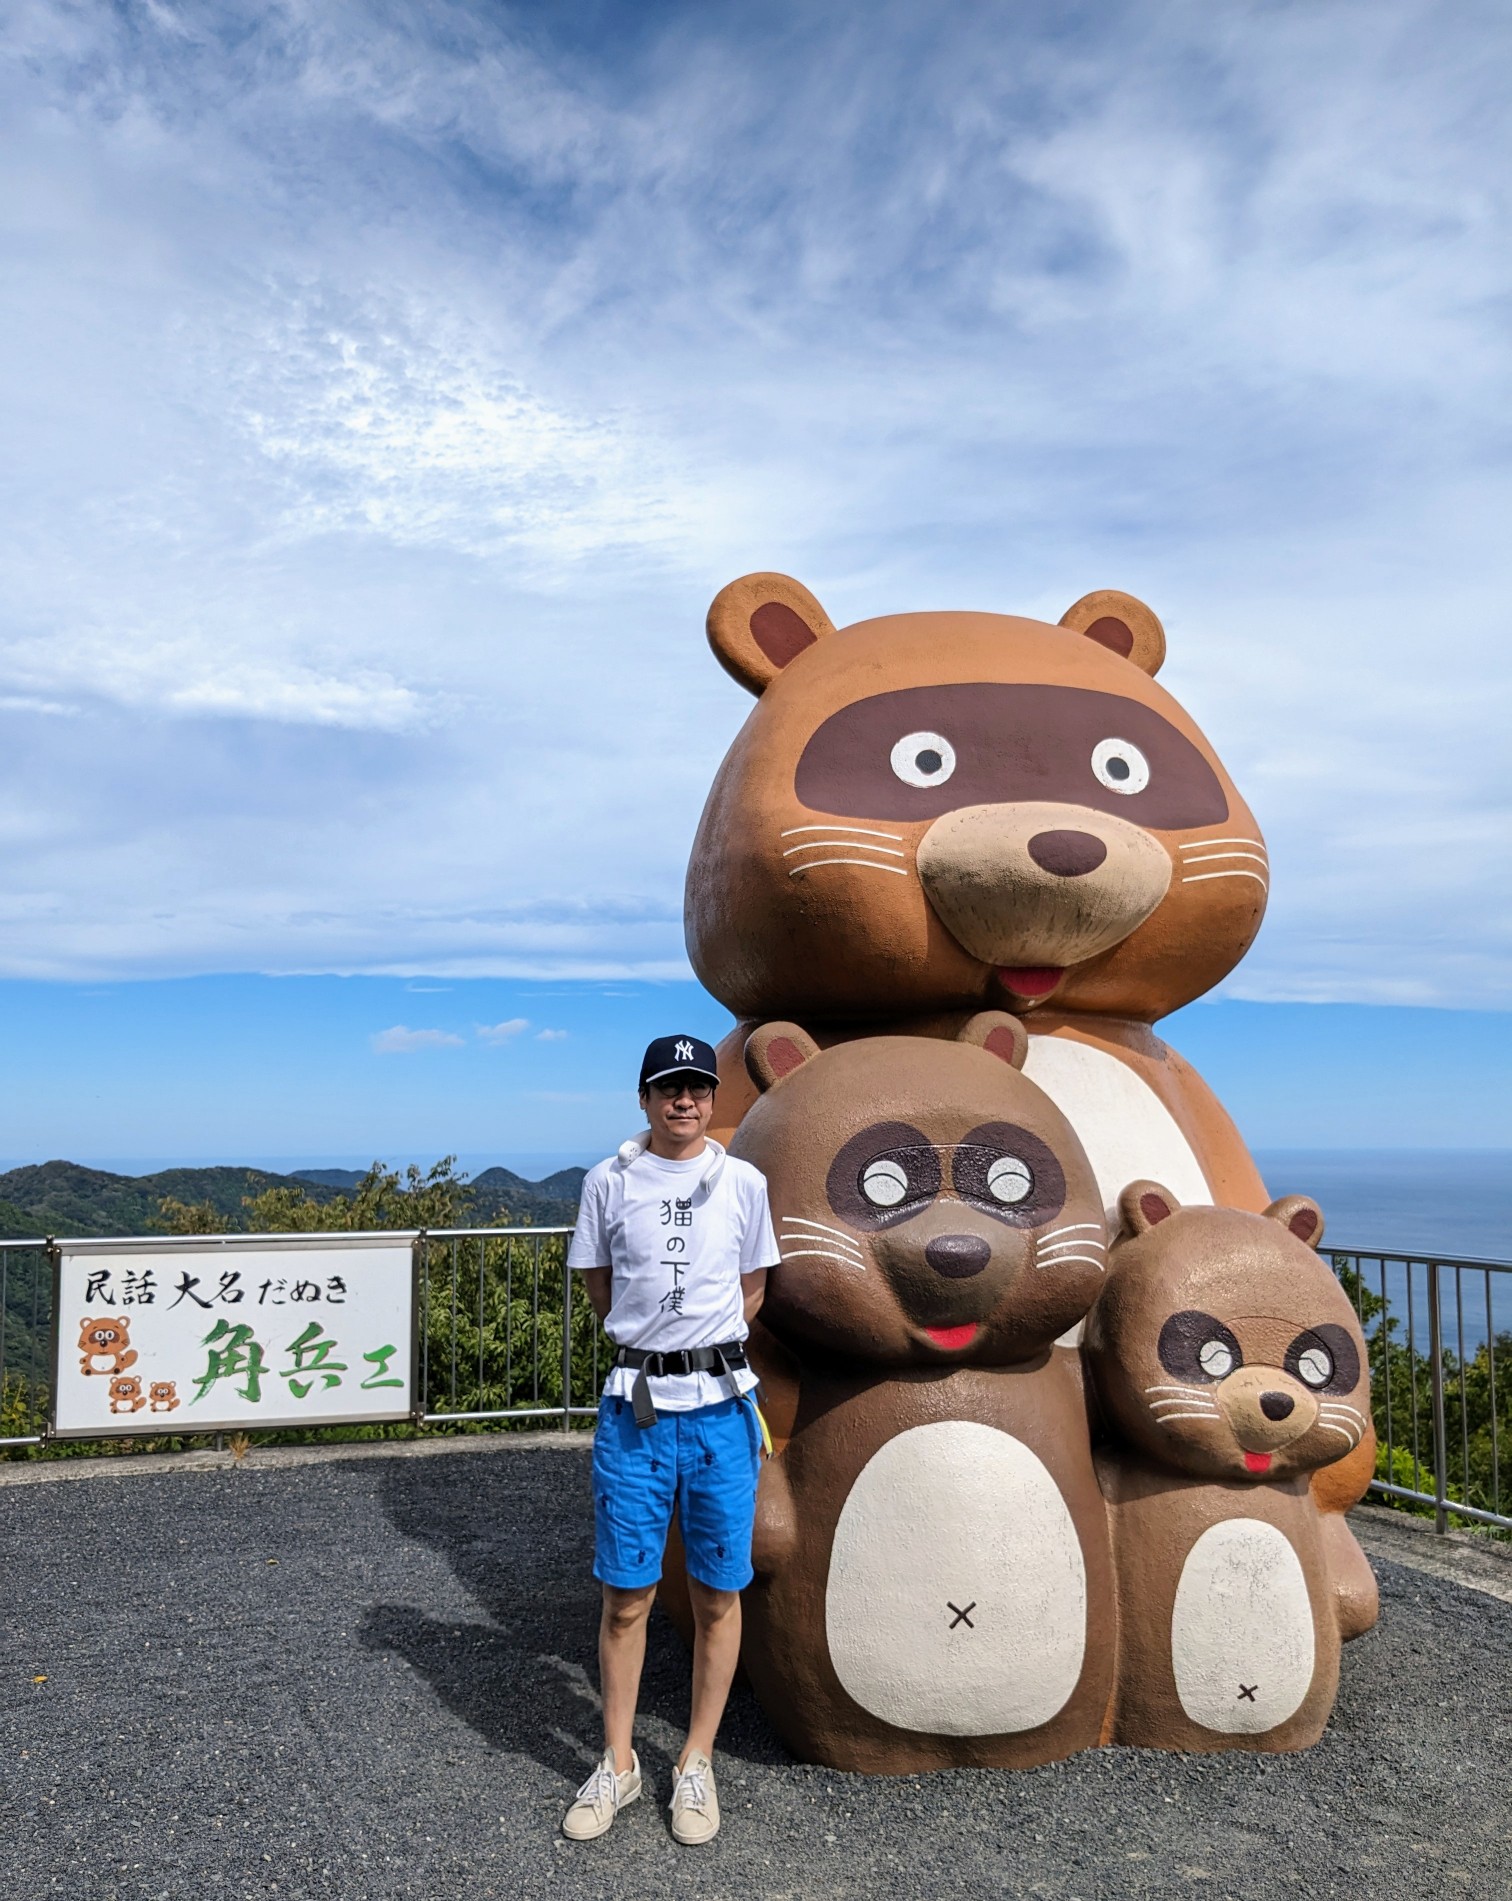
[(1036, 980), (952, 1337)]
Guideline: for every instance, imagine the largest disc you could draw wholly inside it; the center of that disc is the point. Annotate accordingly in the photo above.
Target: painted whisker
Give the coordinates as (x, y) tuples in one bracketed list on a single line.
[(802, 1221), (826, 1254), (860, 831), (811, 864), (851, 844)]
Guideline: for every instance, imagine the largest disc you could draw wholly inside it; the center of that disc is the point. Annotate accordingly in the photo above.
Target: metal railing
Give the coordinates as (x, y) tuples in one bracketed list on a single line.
[(1439, 1333), (25, 1340), (506, 1336)]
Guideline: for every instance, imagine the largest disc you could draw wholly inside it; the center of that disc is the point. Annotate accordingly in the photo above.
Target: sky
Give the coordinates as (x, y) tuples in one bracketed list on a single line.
[(388, 388)]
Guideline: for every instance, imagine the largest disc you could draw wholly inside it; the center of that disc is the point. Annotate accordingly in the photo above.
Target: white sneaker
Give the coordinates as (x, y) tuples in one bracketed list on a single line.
[(601, 1798), (694, 1805)]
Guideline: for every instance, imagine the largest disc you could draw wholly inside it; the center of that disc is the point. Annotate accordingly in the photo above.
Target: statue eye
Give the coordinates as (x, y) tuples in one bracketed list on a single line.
[(884, 1183), (1315, 1366), (1119, 765), (1197, 1346), (1324, 1358), (923, 759), (1009, 1179)]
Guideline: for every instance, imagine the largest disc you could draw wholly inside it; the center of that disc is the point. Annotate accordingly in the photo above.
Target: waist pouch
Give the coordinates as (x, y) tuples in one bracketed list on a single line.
[(724, 1358)]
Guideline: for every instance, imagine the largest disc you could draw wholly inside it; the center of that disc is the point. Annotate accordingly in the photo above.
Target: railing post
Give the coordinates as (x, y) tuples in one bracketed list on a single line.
[(1440, 1450), (566, 1343)]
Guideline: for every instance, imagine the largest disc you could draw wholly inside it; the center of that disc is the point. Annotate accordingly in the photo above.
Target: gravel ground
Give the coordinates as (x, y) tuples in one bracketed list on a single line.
[(372, 1678)]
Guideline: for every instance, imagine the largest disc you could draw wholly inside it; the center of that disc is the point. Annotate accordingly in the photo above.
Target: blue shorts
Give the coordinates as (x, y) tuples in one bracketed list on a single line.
[(704, 1462)]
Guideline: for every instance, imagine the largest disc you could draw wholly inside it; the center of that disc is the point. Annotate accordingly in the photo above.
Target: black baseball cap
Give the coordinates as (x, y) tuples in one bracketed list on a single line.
[(678, 1056)]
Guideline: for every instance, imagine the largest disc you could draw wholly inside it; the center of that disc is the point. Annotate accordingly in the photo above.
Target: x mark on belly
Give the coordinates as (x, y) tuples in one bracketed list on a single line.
[(961, 1617), (1247, 1692)]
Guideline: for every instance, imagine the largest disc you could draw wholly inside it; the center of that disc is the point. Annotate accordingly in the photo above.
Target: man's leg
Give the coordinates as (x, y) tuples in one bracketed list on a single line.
[(716, 1651), (622, 1652)]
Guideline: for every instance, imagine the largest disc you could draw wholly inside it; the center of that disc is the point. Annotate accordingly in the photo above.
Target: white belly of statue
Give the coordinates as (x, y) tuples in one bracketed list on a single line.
[(1242, 1646), (956, 1603), (1128, 1132)]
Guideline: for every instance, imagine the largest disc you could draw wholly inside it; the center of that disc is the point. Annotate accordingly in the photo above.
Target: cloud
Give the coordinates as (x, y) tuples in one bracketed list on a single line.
[(502, 1032), (363, 528), (400, 1041), (551, 1036)]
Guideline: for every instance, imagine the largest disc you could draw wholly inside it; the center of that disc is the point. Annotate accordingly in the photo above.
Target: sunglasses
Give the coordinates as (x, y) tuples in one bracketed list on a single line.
[(670, 1087)]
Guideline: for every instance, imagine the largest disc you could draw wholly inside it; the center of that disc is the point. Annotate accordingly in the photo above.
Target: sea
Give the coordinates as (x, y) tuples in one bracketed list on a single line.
[(1454, 1202), (1418, 1203)]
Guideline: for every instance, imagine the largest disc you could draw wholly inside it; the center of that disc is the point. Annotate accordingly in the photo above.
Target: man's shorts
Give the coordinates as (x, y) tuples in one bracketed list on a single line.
[(704, 1462)]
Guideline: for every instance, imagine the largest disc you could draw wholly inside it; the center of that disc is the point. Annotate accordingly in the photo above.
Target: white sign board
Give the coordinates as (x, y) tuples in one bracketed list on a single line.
[(245, 1333)]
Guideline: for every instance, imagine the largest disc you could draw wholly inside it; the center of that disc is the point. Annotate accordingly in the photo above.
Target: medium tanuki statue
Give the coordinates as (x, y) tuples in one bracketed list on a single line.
[(1230, 1366), (933, 1584)]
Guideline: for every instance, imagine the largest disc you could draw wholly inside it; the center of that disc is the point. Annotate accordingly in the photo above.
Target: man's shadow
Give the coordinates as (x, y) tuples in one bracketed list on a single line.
[(516, 1527)]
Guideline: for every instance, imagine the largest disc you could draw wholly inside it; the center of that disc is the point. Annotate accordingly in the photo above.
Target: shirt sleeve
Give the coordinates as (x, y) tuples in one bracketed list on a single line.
[(589, 1246), (758, 1245)]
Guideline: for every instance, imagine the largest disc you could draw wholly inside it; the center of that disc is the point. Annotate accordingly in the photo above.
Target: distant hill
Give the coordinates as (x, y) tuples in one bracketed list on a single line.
[(551, 1203), (65, 1198)]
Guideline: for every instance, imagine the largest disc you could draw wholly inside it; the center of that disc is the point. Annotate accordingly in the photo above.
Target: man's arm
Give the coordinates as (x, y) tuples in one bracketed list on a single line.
[(599, 1283), (752, 1293)]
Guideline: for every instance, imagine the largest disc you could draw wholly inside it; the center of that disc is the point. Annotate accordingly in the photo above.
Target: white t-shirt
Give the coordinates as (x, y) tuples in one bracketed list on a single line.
[(677, 1237)]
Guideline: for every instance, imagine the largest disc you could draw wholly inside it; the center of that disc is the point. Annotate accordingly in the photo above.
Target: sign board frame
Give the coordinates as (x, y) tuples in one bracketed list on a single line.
[(222, 1251)]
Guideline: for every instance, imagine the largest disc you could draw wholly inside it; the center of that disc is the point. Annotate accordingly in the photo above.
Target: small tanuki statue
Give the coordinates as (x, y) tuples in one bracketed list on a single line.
[(1230, 1367), (933, 1578)]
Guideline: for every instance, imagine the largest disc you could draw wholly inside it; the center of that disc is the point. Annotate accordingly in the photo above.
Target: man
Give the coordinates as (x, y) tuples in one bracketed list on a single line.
[(673, 1240)]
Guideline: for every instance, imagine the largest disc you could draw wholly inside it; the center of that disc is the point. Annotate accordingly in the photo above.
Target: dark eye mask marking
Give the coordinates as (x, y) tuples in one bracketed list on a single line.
[(1342, 1355), (1182, 1340), (971, 1162), (1012, 744), (897, 1142)]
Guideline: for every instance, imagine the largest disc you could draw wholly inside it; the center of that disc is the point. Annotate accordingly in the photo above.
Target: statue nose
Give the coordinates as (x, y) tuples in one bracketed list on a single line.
[(958, 1254), (1277, 1405), (1067, 854)]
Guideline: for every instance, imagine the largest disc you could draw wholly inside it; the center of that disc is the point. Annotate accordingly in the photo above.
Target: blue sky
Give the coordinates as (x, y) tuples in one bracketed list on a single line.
[(388, 388), (289, 1071)]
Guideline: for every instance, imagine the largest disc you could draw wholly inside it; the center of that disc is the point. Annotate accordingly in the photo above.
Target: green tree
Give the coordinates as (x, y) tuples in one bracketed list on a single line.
[(192, 1217), (384, 1198)]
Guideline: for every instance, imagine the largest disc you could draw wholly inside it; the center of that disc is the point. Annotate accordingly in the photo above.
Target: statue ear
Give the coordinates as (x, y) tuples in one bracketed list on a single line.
[(1120, 622), (1299, 1216), (1144, 1205), (999, 1034), (760, 623), (775, 1051)]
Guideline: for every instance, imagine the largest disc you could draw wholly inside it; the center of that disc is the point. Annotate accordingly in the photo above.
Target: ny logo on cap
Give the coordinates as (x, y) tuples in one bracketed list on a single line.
[(683, 1051)]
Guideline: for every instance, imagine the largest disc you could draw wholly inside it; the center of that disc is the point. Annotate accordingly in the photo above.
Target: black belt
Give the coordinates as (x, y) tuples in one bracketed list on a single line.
[(724, 1358)]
